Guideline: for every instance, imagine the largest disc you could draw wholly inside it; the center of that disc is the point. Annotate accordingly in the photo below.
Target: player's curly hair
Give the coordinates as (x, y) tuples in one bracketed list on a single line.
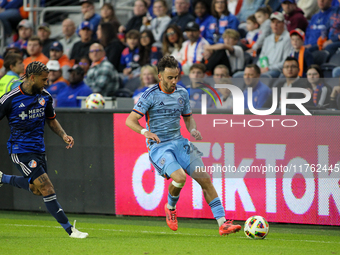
[(35, 68), (167, 61)]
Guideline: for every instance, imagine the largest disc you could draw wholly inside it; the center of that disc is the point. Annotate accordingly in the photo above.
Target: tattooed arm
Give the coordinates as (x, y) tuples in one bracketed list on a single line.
[(56, 128)]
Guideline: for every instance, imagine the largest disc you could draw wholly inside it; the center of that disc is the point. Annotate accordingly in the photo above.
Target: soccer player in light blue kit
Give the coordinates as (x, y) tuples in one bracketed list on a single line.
[(172, 155)]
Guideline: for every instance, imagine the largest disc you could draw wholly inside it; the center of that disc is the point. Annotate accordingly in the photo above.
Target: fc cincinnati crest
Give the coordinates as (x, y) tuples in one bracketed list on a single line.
[(180, 101), (32, 164), (42, 101), (162, 162)]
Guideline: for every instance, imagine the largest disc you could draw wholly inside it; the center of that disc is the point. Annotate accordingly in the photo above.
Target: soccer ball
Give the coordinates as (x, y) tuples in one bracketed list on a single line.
[(256, 227), (95, 101)]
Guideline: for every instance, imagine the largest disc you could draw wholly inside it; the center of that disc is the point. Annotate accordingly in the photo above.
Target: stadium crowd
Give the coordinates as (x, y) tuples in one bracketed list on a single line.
[(214, 41)]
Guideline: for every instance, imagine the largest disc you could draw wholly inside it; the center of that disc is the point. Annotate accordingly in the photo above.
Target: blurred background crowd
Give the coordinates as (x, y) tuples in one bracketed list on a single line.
[(258, 44)]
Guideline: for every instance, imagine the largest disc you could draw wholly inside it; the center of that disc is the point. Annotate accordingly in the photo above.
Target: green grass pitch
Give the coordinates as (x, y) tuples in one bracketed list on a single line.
[(39, 233)]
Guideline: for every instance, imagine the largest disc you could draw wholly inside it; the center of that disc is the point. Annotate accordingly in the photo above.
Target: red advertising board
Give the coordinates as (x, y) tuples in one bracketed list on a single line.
[(285, 168)]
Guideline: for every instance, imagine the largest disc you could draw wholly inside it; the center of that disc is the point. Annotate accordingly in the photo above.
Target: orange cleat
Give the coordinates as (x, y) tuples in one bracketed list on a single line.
[(171, 218), (227, 228)]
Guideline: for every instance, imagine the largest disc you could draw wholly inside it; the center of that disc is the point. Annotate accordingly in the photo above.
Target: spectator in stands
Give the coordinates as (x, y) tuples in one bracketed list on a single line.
[(90, 15), (70, 36), (305, 58), (56, 82), (107, 12), (81, 48), (12, 49), (333, 27), (262, 17), (248, 8), (291, 73), (34, 49), (321, 90), (203, 17), (10, 15), (44, 33), (276, 47), (68, 96), (85, 63), (148, 78), (294, 16), (252, 34), (172, 40), (261, 92), (139, 10), (221, 76), (213, 58), (192, 49), (102, 77), (149, 52), (14, 67), (25, 31), (308, 7), (318, 25), (222, 20), (159, 23), (113, 46), (196, 75), (183, 15), (57, 53), (130, 55), (234, 52)]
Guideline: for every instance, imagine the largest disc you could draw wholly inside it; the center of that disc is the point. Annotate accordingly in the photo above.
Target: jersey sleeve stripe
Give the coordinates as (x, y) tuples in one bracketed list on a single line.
[(149, 91), (51, 118), (11, 93), (134, 110), (187, 115)]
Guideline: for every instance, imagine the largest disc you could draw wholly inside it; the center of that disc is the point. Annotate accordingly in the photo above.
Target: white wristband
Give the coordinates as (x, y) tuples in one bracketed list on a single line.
[(143, 131), (194, 129)]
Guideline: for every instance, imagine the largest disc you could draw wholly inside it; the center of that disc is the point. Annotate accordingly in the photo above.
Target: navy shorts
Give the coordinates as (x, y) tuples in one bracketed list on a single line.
[(31, 165)]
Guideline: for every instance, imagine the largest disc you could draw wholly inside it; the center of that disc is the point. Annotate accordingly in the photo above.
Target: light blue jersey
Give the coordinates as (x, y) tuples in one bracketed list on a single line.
[(163, 111)]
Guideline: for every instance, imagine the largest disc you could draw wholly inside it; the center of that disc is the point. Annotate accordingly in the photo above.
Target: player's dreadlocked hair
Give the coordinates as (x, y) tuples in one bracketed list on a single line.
[(167, 61), (35, 68)]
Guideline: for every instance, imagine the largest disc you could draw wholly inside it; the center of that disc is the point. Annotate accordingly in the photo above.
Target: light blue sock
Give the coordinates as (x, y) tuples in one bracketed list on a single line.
[(172, 201), (217, 208)]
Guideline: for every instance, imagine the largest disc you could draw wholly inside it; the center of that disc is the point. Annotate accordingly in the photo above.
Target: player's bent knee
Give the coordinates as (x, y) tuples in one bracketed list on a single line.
[(178, 185)]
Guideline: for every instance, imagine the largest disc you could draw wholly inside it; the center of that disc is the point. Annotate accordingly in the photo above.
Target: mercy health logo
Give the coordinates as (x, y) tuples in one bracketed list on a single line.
[(238, 105)]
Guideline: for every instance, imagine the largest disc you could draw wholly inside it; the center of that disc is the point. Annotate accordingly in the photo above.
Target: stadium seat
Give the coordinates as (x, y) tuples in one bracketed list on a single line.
[(132, 84), (124, 92), (320, 57), (327, 68)]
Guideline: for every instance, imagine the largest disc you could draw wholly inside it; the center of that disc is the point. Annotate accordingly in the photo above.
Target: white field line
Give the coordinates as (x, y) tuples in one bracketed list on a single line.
[(164, 233)]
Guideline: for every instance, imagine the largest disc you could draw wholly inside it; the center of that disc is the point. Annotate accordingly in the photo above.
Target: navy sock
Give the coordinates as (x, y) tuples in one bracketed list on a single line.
[(217, 208), (57, 212), (172, 201), (16, 181)]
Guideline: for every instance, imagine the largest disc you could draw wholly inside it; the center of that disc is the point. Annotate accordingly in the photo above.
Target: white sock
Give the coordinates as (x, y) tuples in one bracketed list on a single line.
[(171, 207), (220, 221)]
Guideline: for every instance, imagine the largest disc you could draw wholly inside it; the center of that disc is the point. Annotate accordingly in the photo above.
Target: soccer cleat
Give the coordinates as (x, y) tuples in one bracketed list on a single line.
[(76, 233), (1, 178), (171, 218), (227, 228)]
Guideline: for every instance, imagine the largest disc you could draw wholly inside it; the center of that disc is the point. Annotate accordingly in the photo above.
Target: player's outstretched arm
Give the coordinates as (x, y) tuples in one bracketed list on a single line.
[(191, 127), (132, 121), (56, 128)]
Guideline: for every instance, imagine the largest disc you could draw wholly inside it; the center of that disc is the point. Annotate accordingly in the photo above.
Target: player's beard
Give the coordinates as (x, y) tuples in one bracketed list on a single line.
[(168, 87), (36, 90)]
